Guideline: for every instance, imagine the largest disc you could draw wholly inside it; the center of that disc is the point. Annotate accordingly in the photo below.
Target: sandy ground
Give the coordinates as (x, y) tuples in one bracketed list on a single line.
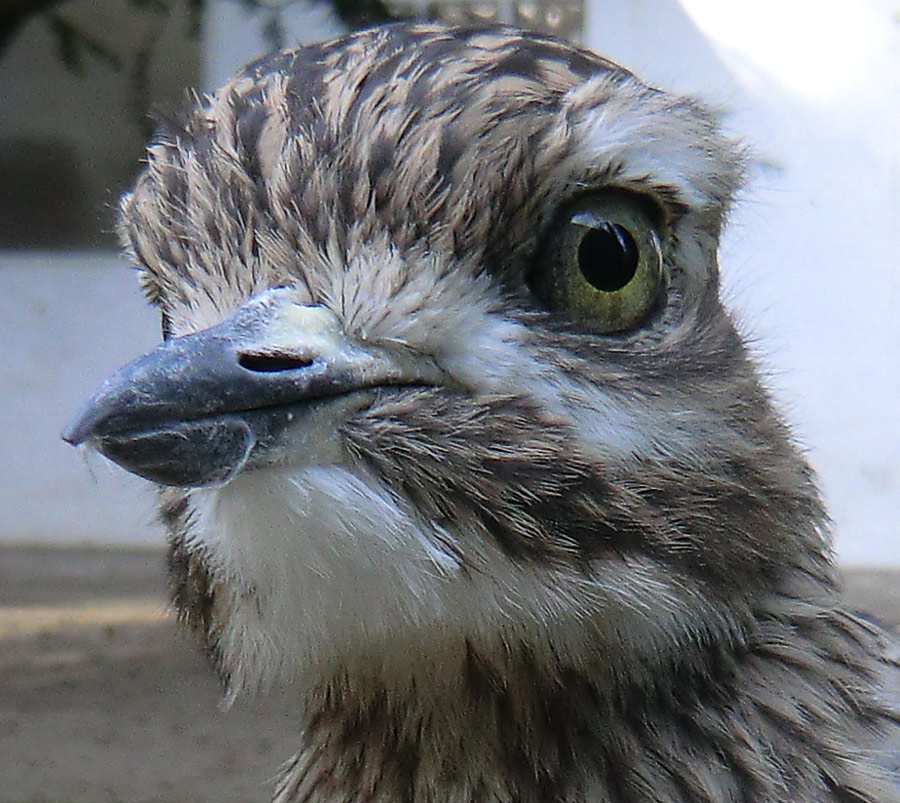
[(102, 700)]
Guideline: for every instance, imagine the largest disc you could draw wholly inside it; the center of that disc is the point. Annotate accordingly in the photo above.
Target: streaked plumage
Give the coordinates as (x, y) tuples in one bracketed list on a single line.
[(518, 559)]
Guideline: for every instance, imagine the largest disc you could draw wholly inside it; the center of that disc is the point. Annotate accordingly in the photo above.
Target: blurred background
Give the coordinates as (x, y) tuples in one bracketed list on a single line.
[(810, 261), (90, 671)]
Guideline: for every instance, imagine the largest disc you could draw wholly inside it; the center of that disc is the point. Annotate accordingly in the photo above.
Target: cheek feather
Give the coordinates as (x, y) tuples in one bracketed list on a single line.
[(318, 565)]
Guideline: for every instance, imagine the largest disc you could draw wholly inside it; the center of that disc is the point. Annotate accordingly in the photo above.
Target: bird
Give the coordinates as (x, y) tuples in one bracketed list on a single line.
[(454, 437)]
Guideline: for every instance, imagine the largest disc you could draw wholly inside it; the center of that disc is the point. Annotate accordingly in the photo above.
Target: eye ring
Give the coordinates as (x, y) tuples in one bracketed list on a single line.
[(601, 262)]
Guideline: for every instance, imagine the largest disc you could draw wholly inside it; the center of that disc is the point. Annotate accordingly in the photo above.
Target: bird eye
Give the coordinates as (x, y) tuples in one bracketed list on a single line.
[(602, 262)]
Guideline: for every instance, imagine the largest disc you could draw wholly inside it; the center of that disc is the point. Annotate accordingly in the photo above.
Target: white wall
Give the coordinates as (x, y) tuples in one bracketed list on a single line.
[(810, 264), (67, 322)]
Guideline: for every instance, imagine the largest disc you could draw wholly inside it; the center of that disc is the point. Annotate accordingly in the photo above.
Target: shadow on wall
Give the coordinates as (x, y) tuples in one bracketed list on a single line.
[(42, 203), (79, 81)]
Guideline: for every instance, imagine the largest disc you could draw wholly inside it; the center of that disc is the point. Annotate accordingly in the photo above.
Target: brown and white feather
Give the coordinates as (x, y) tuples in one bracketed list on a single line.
[(596, 570)]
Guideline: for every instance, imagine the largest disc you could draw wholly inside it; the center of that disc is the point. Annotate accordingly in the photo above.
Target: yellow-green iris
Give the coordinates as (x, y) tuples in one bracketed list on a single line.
[(603, 263)]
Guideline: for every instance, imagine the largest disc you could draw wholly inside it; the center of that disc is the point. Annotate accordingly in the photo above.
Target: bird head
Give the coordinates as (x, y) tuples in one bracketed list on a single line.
[(445, 371)]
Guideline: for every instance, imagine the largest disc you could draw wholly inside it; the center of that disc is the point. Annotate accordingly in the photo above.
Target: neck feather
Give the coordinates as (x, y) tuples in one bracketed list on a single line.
[(769, 719)]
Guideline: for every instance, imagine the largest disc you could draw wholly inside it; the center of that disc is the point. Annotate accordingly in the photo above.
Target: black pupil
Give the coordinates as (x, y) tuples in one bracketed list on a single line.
[(608, 257)]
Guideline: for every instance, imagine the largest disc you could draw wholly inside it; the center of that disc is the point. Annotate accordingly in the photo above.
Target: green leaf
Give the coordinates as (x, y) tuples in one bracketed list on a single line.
[(69, 52), (73, 44), (195, 18), (158, 6), (273, 32)]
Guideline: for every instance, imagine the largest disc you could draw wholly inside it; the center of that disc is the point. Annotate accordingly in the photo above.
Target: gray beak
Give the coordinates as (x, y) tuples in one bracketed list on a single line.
[(254, 390)]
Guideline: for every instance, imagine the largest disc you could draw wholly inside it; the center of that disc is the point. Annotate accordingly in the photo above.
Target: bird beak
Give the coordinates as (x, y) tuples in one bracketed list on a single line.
[(267, 385)]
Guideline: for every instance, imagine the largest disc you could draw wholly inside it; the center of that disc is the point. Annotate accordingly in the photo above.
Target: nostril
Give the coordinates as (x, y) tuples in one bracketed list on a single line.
[(271, 363)]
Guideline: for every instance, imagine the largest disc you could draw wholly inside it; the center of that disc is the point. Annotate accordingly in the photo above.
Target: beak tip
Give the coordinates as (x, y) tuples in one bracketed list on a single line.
[(78, 430), (72, 436)]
